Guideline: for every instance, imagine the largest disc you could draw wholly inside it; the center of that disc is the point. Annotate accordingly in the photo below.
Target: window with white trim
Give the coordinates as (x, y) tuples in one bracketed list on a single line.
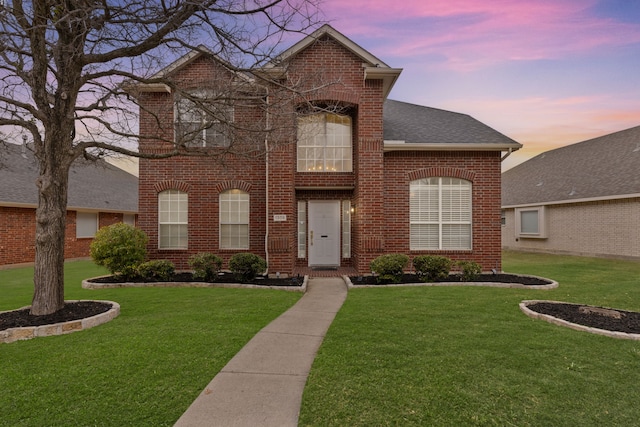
[(129, 219), (86, 224), (440, 214), (203, 120), (173, 212), (234, 219), (531, 222), (302, 229), (324, 143), (346, 229)]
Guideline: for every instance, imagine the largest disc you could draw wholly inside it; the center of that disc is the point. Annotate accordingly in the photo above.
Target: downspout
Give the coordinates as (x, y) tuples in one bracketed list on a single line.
[(266, 180)]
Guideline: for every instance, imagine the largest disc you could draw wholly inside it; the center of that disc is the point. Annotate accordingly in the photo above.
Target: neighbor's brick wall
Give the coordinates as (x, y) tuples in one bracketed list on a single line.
[(481, 168), (18, 233), (608, 228)]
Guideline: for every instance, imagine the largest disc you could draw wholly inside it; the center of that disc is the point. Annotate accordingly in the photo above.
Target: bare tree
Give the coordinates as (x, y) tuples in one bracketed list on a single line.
[(68, 69)]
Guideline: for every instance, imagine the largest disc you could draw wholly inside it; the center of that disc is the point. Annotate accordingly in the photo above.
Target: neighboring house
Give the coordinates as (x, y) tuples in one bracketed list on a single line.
[(357, 177), (582, 199), (99, 194)]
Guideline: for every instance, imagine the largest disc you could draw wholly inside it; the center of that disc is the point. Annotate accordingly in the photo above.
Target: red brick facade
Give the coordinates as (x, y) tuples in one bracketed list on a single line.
[(378, 187), (18, 231)]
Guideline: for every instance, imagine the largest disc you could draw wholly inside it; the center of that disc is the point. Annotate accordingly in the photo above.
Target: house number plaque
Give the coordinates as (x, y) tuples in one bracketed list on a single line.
[(279, 218)]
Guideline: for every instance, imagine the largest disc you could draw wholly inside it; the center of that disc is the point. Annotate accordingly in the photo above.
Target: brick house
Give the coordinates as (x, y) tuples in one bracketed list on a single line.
[(349, 176), (99, 195), (582, 199)]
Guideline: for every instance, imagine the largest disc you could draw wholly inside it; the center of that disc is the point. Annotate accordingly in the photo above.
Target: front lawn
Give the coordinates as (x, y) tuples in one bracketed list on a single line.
[(394, 356), (144, 368), (468, 356)]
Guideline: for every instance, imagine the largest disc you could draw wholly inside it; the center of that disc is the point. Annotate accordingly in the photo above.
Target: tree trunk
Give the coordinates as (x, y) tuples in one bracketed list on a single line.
[(51, 217)]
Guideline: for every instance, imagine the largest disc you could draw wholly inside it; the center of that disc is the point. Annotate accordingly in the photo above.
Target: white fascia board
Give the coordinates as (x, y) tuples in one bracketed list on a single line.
[(574, 201), (390, 145), (389, 76)]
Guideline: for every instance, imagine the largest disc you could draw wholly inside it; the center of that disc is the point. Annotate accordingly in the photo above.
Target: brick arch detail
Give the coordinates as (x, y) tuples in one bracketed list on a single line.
[(442, 171), (347, 97), (232, 185), (172, 184)]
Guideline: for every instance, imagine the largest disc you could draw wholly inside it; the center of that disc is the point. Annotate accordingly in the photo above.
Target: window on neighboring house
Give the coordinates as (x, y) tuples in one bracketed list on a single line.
[(173, 211), (129, 219), (324, 143), (440, 214), (86, 224), (203, 121), (531, 222), (234, 219)]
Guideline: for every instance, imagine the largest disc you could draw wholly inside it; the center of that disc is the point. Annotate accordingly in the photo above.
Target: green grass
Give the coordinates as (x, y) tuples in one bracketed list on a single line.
[(403, 356), (467, 356), (143, 368)]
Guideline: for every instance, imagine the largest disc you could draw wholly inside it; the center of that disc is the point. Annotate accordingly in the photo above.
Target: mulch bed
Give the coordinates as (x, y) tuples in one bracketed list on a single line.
[(629, 321), (498, 278), (72, 311), (224, 277)]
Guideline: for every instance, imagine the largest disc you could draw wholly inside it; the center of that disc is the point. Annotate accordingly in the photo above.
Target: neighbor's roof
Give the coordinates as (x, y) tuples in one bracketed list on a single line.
[(606, 167), (92, 185), (409, 126)]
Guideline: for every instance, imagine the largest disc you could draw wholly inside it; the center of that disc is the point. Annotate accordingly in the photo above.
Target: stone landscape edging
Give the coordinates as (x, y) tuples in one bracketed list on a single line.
[(87, 284), (560, 322), (551, 285), (28, 332)]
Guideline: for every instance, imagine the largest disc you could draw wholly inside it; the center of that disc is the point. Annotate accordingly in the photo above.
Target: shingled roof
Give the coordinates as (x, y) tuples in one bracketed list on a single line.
[(415, 124), (599, 168), (92, 185)]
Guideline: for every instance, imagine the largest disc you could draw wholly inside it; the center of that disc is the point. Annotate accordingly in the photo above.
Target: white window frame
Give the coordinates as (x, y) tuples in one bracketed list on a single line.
[(129, 219), (87, 224), (234, 208), (302, 229), (433, 218), (325, 143), (173, 220), (209, 128), (534, 226), (346, 229)]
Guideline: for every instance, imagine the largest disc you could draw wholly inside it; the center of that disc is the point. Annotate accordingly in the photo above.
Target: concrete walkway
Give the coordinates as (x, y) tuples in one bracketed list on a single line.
[(262, 385)]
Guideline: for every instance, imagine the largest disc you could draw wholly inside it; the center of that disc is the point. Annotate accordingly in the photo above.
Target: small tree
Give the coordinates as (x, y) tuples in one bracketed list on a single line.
[(121, 248), (246, 266)]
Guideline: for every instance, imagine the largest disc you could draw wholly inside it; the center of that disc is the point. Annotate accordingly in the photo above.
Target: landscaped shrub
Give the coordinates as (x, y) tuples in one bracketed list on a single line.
[(121, 248), (389, 267), (246, 266), (471, 270), (160, 270), (432, 268), (205, 266)]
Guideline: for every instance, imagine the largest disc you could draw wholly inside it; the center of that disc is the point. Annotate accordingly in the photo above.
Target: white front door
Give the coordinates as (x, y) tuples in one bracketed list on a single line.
[(324, 233)]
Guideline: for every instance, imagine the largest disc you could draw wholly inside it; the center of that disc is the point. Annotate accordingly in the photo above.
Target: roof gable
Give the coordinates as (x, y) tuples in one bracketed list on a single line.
[(600, 168)]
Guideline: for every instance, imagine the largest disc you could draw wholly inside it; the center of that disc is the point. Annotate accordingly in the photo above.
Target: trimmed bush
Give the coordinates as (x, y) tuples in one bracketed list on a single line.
[(246, 266), (471, 270), (121, 248), (432, 268), (158, 270), (390, 267), (205, 266)]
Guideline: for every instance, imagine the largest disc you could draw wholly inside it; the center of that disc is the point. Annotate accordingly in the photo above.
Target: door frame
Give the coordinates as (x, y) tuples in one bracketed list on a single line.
[(336, 227)]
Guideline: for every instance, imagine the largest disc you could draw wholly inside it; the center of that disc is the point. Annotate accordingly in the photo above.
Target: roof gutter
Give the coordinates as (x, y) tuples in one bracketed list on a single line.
[(573, 201), (439, 146)]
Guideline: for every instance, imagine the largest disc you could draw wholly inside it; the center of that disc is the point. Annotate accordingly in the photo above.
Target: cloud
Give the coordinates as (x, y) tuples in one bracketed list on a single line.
[(470, 34)]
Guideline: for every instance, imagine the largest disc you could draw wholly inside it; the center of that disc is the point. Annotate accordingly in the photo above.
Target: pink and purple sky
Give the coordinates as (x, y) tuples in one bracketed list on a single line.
[(546, 73)]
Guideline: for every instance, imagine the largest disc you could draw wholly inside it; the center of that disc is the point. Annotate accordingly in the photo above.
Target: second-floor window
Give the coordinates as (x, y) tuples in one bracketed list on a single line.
[(324, 143), (203, 120)]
